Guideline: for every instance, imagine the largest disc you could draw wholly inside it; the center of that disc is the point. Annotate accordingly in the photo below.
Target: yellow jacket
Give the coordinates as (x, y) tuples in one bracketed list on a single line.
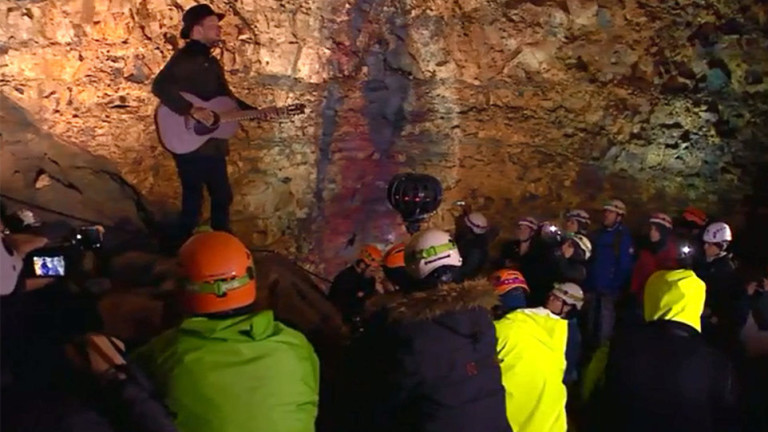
[(531, 349), (675, 295)]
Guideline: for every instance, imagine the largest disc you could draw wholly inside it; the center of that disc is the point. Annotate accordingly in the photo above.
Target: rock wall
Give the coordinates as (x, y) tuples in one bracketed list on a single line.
[(517, 106)]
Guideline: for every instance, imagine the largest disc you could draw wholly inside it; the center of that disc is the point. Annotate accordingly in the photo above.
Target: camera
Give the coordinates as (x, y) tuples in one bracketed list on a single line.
[(61, 259)]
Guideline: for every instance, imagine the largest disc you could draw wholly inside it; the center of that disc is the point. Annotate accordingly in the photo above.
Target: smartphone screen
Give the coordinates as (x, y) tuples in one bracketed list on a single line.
[(50, 266)]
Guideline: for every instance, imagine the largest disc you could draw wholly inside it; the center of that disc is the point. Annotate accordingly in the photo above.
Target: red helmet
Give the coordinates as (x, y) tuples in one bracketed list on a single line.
[(695, 215), (219, 273), (505, 279), (371, 255), (395, 256)]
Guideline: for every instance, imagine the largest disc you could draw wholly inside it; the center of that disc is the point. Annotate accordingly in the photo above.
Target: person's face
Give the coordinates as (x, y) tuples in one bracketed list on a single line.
[(710, 250), (208, 31), (557, 306), (524, 233), (654, 234), (571, 226), (610, 218), (567, 249)]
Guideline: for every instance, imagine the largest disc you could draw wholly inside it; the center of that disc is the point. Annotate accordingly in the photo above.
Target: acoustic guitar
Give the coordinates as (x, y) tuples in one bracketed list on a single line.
[(183, 134)]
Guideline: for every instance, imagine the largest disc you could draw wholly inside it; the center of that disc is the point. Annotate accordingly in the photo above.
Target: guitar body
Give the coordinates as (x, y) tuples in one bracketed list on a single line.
[(182, 134)]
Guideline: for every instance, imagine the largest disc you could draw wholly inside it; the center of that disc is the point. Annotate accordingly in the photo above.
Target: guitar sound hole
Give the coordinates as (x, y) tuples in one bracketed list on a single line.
[(201, 129)]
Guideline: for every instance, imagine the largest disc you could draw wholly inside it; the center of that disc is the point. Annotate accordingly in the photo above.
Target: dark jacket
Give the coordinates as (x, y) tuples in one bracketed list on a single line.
[(722, 282), (612, 260), (427, 362), (118, 405), (564, 269), (192, 69), (473, 249), (349, 291), (726, 302), (533, 265), (663, 376)]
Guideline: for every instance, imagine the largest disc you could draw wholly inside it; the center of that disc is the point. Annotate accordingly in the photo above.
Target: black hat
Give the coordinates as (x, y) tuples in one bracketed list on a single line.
[(194, 15)]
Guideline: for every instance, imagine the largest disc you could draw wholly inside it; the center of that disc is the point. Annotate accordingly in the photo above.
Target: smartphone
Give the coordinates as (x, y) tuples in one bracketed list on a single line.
[(49, 266)]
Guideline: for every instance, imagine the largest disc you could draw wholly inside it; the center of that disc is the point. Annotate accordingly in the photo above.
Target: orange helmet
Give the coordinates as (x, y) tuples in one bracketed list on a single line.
[(695, 215), (505, 279), (219, 273), (395, 256), (371, 255)]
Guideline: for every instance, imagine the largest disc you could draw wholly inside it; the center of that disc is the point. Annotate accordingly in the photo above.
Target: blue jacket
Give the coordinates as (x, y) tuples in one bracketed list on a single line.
[(610, 267)]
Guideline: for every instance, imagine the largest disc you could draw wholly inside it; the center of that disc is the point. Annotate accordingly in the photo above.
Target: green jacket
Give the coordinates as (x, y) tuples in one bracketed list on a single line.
[(242, 374)]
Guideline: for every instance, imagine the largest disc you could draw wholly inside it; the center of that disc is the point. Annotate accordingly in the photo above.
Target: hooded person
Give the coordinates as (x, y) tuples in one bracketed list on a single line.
[(429, 350), (663, 376), (661, 253), (228, 367), (532, 348)]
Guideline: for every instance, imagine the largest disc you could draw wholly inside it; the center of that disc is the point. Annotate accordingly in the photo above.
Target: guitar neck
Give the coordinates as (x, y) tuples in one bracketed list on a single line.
[(251, 114)]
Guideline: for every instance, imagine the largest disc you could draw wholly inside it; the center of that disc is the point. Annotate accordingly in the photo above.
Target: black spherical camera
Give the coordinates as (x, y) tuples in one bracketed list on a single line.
[(415, 197)]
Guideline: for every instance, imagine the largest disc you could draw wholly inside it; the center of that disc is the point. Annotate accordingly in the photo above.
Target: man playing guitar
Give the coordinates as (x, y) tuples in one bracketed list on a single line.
[(193, 70)]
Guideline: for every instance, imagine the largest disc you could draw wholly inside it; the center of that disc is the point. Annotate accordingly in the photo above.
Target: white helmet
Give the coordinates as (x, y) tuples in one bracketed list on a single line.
[(616, 205), (429, 250), (476, 222), (661, 219), (529, 222), (570, 293), (718, 232), (578, 215), (584, 244)]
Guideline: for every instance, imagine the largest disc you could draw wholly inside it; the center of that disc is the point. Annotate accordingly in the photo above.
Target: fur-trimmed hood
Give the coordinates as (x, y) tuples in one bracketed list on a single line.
[(430, 304)]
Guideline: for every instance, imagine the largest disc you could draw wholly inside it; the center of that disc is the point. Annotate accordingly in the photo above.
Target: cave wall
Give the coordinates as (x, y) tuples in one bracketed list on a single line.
[(517, 106)]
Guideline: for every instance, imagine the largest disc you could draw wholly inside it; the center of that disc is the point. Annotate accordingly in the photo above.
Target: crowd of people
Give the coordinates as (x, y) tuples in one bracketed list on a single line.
[(656, 332), (562, 329)]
